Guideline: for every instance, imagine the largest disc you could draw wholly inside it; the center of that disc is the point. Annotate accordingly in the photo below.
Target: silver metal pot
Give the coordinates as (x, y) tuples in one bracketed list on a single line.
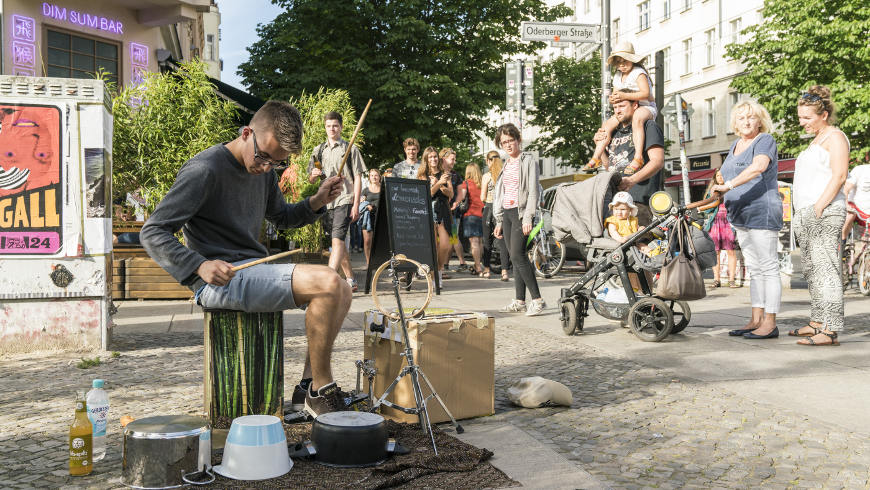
[(167, 451)]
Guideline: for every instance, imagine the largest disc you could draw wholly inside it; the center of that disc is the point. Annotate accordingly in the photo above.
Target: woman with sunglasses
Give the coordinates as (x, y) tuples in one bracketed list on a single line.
[(820, 211), (487, 190)]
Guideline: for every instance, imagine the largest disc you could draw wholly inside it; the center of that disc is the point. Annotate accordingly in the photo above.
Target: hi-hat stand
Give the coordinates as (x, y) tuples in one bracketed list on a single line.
[(412, 369)]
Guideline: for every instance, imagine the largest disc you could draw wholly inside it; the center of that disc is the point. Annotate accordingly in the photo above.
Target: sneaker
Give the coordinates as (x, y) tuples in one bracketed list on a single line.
[(536, 307), (298, 399), (516, 306), (353, 285), (328, 399)]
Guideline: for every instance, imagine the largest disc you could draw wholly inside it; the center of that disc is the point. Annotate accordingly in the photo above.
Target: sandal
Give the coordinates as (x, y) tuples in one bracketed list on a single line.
[(634, 166), (485, 275), (715, 284), (504, 276), (593, 164), (733, 285), (797, 332), (445, 275), (811, 342)]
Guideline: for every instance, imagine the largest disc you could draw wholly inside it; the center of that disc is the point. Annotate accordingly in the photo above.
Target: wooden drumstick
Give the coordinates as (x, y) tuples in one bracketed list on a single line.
[(267, 259), (353, 138)]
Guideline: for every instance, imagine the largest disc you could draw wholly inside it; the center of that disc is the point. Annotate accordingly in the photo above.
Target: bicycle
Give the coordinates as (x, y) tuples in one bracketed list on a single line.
[(857, 252), (546, 254)]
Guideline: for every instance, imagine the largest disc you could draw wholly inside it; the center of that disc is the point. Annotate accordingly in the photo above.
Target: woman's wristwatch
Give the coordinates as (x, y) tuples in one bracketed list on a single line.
[(729, 185)]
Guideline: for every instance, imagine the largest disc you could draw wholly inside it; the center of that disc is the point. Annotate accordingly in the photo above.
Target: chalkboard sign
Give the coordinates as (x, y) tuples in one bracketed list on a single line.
[(403, 225)]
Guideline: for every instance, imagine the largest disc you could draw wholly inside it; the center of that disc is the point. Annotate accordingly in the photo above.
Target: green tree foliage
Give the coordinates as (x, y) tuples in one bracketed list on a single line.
[(433, 68), (160, 124), (294, 180), (802, 43), (567, 99)]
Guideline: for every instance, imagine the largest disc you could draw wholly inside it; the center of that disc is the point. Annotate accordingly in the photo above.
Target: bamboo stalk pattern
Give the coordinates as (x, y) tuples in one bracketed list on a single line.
[(260, 345)]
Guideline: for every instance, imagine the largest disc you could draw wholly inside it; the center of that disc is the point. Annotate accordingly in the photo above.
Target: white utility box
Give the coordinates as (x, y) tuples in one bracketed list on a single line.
[(55, 213)]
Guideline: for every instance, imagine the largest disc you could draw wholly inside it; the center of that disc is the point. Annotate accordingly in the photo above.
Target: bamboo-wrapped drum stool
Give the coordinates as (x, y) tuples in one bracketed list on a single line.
[(244, 365)]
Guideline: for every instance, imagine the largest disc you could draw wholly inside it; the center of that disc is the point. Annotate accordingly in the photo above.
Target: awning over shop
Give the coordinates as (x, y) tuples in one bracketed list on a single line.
[(702, 177), (696, 177), (244, 101)]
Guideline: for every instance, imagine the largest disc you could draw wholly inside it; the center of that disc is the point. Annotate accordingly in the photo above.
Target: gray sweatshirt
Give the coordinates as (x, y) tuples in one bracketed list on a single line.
[(220, 208), (528, 194)]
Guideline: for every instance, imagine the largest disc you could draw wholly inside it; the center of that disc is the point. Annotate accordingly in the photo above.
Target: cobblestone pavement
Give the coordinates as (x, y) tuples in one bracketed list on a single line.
[(631, 425)]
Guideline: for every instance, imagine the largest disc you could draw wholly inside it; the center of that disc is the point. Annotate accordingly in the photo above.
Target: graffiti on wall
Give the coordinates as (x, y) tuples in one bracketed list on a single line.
[(30, 177)]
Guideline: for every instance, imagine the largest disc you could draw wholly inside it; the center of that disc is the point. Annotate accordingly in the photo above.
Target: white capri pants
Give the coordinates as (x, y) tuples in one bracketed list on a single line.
[(759, 253)]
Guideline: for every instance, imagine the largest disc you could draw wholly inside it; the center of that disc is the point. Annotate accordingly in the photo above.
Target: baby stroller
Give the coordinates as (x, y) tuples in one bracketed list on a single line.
[(578, 215)]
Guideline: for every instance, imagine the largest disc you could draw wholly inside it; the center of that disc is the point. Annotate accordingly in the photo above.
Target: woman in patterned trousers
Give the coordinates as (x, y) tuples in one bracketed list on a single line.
[(820, 211)]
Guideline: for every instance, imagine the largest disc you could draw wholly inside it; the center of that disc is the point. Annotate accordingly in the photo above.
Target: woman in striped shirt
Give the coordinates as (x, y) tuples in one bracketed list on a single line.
[(514, 204)]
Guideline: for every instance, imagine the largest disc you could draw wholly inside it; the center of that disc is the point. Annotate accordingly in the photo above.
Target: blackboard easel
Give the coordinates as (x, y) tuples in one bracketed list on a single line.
[(404, 225)]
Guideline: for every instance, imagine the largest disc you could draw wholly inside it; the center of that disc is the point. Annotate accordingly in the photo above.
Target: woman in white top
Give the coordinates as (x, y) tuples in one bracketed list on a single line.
[(820, 210)]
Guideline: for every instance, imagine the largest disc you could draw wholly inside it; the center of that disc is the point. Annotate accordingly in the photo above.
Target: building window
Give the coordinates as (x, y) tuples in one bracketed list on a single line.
[(687, 56), (587, 7), (688, 129), (733, 99), (709, 45), (76, 56), (710, 117), (736, 27), (614, 31), (643, 15), (552, 166), (667, 64), (667, 9), (209, 47), (687, 4)]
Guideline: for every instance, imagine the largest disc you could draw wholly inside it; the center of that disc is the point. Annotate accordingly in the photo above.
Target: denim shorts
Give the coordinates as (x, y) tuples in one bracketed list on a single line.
[(472, 226), (259, 288)]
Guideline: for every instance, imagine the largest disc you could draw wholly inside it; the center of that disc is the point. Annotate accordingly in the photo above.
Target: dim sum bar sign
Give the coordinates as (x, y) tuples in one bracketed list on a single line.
[(83, 19)]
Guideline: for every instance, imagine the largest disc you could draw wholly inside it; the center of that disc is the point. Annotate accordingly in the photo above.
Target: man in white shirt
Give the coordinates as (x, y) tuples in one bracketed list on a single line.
[(857, 191)]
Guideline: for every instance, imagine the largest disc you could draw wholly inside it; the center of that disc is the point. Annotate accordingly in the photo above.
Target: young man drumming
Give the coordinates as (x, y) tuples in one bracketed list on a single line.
[(219, 201)]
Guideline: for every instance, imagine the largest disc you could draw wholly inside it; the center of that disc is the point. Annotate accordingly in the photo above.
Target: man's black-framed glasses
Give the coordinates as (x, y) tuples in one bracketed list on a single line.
[(260, 158)]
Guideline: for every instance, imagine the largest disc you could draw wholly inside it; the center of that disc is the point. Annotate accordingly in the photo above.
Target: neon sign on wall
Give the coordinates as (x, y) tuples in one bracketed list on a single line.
[(23, 45), (82, 19)]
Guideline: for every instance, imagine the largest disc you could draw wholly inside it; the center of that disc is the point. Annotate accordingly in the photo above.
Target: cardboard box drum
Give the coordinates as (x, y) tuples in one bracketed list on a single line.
[(456, 353)]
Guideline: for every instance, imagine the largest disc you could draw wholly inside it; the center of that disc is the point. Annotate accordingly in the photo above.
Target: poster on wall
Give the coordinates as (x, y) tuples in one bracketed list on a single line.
[(30, 179)]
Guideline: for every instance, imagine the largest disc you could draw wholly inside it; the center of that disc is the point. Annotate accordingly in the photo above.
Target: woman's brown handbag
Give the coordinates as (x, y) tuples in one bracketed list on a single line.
[(681, 277)]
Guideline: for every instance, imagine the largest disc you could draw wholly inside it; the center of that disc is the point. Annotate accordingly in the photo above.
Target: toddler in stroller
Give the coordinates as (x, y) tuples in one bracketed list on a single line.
[(576, 210)]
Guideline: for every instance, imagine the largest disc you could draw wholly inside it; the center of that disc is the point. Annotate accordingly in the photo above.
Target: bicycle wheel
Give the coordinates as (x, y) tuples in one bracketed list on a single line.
[(548, 256), (864, 275), (848, 250)]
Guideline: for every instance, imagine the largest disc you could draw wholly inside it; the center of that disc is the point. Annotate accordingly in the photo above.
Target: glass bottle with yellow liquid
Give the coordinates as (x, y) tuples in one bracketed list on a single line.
[(81, 440)]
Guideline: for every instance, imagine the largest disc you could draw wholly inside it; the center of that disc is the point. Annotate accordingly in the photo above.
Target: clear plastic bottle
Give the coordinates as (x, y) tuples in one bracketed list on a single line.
[(98, 413)]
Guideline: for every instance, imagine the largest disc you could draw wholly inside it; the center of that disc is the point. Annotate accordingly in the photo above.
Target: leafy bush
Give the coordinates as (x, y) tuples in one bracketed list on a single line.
[(294, 181), (160, 124)]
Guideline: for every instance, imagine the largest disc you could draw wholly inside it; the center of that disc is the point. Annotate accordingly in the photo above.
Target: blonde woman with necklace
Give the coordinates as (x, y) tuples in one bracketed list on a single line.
[(754, 209), (820, 211)]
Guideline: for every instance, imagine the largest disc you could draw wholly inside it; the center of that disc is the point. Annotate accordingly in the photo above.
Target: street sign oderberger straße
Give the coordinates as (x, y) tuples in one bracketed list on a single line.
[(560, 32)]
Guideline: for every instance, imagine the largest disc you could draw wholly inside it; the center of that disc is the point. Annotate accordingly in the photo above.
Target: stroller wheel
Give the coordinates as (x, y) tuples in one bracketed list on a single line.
[(650, 319), (569, 317), (682, 315)]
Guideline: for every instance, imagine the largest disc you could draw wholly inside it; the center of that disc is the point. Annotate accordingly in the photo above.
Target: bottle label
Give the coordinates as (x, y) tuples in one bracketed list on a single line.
[(79, 451), (98, 416)]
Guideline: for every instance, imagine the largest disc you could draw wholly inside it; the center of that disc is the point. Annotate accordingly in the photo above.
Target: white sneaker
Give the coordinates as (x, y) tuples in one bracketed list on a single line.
[(516, 306), (536, 307)]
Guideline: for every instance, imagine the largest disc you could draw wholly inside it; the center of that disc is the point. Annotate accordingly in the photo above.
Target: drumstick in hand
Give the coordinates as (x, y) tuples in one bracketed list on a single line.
[(353, 138)]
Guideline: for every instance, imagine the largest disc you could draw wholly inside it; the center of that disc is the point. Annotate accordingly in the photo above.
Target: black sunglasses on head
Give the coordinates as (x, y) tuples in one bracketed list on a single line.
[(810, 97)]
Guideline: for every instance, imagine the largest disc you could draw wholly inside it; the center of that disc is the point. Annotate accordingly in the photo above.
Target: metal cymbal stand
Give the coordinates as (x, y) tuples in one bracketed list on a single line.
[(413, 370)]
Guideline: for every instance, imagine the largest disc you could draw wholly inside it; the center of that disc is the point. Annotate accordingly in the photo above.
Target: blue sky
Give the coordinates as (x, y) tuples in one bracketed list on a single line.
[(239, 19)]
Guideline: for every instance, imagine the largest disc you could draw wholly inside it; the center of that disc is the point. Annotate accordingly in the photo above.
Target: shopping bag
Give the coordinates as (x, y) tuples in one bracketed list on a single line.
[(681, 277)]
